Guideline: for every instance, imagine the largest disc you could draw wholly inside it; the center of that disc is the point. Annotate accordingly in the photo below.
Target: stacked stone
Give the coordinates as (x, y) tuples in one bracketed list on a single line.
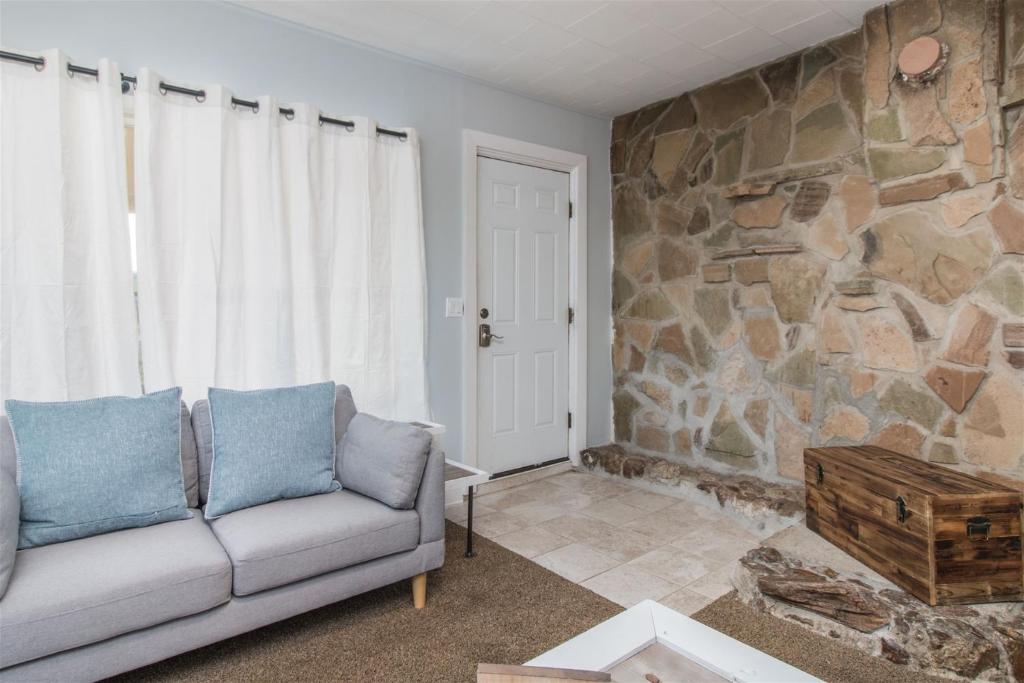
[(814, 252)]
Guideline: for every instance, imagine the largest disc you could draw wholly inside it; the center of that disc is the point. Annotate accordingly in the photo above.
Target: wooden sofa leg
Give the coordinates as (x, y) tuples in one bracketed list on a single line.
[(419, 590)]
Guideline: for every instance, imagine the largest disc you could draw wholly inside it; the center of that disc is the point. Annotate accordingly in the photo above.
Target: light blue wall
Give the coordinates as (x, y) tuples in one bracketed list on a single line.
[(211, 42)]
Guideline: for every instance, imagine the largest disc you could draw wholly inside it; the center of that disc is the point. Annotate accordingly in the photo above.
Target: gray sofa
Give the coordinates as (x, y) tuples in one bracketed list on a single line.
[(94, 607)]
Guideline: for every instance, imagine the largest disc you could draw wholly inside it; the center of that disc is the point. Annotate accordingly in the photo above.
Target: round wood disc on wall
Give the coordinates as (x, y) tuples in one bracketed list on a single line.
[(920, 56)]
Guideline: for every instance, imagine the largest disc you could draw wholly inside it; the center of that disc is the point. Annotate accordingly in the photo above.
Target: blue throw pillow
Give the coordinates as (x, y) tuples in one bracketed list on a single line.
[(89, 467), (270, 444)]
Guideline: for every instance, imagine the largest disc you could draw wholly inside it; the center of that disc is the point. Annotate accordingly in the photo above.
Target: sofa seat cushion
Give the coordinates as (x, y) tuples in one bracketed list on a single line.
[(278, 543), (69, 594)]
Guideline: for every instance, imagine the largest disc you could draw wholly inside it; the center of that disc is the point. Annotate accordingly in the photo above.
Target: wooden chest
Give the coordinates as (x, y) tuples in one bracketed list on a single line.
[(944, 536)]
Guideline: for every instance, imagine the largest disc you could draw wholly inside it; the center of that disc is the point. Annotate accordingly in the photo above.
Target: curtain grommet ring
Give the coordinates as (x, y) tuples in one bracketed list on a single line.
[(289, 115), (162, 89), (71, 74), (201, 97), (350, 127), (40, 65), (255, 107)]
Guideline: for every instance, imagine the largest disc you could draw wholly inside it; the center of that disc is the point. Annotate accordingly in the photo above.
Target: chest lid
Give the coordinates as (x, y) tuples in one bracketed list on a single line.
[(902, 472)]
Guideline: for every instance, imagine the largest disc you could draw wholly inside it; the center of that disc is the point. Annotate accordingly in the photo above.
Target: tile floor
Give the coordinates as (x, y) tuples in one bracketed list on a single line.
[(618, 540)]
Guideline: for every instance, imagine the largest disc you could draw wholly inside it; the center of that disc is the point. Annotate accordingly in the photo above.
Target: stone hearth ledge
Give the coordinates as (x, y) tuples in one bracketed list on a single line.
[(762, 506), (863, 610)]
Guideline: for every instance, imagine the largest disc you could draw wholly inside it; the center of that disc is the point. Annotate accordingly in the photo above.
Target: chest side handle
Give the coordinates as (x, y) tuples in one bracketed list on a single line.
[(901, 510), (978, 527)]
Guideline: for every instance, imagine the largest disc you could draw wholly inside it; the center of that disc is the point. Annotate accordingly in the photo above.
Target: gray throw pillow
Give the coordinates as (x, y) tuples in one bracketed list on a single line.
[(384, 459)]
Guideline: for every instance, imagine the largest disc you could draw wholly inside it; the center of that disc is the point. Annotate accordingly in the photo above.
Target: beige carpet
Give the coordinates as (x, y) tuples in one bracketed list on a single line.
[(497, 607)]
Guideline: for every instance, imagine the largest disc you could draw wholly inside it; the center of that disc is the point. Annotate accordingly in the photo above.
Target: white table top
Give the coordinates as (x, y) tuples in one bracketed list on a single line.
[(648, 622)]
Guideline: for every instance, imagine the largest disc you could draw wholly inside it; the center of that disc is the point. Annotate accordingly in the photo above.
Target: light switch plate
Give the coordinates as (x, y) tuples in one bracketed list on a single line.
[(453, 307)]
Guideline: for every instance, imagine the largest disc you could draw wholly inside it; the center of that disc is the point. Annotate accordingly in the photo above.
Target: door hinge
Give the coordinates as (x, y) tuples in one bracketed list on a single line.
[(572, 315), (570, 420), (570, 209)]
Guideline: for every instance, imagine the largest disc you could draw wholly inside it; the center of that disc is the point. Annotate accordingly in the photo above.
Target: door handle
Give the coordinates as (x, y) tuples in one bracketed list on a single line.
[(486, 336)]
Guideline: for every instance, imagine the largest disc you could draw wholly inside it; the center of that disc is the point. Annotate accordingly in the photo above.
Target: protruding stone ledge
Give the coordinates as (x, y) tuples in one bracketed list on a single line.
[(921, 190), (757, 250), (754, 498), (850, 164), (748, 190), (1013, 335), (858, 287)]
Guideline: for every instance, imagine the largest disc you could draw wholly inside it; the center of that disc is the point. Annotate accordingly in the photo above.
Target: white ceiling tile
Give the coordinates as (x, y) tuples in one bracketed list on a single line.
[(680, 58), (707, 72), (815, 30), (584, 52), (743, 45), (619, 72), (854, 10), (559, 13), (744, 7), (762, 57), (785, 13), (651, 81), (599, 57), (712, 28), (523, 66), (542, 40), (644, 41), (670, 14), (496, 22), (565, 79), (480, 53), (607, 24), (447, 12)]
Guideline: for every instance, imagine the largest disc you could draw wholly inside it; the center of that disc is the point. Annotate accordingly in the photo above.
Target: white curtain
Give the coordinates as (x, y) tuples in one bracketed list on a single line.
[(67, 315), (273, 250)]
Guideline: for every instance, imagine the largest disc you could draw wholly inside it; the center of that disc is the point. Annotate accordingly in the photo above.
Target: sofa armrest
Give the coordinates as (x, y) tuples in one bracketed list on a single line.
[(430, 498), (10, 504)]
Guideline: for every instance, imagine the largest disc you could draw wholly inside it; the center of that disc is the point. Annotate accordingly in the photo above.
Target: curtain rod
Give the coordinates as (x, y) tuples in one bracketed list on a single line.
[(40, 63)]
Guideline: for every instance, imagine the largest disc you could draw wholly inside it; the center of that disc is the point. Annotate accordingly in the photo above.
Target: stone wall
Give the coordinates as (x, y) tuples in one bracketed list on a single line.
[(815, 252)]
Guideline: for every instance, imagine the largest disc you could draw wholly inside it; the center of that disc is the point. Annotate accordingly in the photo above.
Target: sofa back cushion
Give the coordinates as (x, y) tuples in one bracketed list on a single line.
[(384, 460), (89, 467), (344, 411), (270, 444)]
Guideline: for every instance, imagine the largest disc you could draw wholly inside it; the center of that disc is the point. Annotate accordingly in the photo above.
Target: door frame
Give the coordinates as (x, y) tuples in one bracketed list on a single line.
[(476, 143)]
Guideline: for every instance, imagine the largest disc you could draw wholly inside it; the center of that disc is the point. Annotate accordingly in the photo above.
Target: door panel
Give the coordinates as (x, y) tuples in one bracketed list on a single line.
[(523, 282), (505, 275), (506, 381), (545, 269)]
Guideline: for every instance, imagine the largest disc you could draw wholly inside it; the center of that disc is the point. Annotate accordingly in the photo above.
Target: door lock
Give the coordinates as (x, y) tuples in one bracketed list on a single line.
[(486, 336)]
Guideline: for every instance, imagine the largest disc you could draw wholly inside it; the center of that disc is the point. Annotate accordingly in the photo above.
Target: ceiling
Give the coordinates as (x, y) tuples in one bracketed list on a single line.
[(601, 58)]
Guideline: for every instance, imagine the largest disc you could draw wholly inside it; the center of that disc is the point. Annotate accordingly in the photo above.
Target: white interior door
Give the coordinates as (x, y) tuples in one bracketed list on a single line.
[(523, 295)]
